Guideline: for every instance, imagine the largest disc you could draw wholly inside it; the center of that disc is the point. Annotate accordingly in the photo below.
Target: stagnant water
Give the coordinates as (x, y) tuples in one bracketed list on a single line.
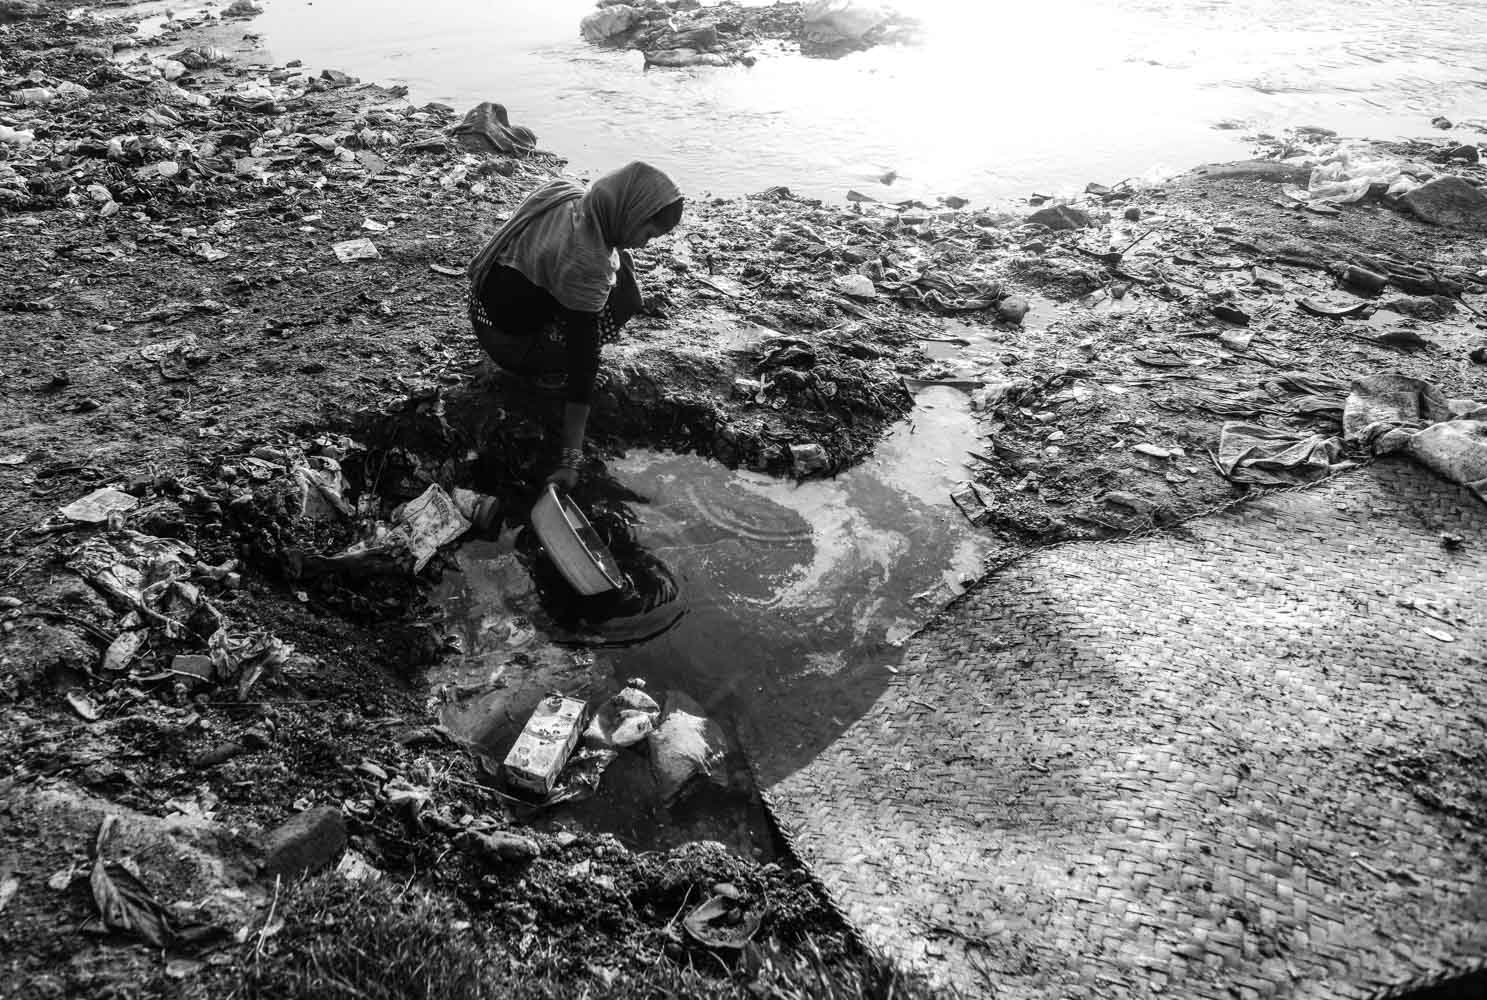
[(997, 101), (757, 598)]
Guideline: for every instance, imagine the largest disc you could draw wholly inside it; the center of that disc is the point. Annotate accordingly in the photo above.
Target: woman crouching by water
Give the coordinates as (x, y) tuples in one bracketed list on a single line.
[(554, 285)]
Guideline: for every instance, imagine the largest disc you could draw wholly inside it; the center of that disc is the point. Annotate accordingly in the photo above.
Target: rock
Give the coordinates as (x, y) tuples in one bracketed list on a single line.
[(306, 842), (808, 457), (1478, 352), (1060, 217), (39, 652), (336, 78), (703, 39), (1442, 122), (1471, 154), (1449, 201), (503, 846), (1230, 314), (1012, 309), (603, 25), (219, 754), (859, 286), (1129, 502), (19, 10), (687, 744), (1426, 307), (681, 58), (1133, 214)]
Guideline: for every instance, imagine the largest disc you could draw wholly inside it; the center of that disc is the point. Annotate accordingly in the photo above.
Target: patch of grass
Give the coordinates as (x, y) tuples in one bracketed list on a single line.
[(344, 941), (367, 942)]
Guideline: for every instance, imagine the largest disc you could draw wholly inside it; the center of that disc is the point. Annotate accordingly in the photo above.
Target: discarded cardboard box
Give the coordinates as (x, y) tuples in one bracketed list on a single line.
[(98, 505), (545, 742)]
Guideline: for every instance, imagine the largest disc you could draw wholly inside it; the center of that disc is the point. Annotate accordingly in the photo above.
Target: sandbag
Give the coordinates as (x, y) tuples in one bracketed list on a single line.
[(686, 745)]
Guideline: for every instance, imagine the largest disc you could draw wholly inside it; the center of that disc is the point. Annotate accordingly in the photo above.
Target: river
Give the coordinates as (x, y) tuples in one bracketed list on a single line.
[(996, 102)]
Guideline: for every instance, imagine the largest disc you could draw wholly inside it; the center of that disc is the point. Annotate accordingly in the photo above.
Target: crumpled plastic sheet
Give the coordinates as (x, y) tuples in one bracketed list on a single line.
[(141, 573), (1267, 456), (1393, 413), (246, 658), (1347, 175)]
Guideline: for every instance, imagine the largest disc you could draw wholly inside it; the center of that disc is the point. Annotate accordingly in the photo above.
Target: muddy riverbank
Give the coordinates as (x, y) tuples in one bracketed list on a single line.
[(235, 296)]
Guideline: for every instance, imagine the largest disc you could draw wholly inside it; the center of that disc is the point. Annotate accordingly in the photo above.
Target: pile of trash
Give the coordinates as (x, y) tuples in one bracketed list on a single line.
[(169, 630), (562, 752), (1343, 174), (289, 505), (295, 507), (177, 129), (680, 33), (1383, 415)]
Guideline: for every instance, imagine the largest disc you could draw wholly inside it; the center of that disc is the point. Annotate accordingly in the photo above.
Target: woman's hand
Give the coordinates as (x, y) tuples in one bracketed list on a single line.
[(564, 476)]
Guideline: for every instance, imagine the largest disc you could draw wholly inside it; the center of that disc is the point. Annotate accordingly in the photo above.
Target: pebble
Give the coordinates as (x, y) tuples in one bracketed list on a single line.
[(1012, 309), (1133, 214)]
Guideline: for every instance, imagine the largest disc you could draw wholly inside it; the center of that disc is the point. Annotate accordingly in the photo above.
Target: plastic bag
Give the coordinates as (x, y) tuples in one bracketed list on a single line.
[(1346, 177)]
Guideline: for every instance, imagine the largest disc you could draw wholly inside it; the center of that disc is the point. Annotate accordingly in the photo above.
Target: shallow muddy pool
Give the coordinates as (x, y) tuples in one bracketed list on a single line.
[(997, 101), (755, 597)]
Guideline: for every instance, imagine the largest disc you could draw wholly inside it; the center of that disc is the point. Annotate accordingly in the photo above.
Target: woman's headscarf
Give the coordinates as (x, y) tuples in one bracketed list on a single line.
[(561, 237)]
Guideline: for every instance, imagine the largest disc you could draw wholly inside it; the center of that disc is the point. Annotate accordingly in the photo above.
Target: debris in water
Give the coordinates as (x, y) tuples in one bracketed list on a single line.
[(538, 756)]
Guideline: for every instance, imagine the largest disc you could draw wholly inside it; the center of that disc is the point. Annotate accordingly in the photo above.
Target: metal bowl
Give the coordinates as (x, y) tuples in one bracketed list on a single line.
[(573, 545)]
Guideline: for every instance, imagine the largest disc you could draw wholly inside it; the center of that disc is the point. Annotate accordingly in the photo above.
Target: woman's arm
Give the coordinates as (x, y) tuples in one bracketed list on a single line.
[(581, 332)]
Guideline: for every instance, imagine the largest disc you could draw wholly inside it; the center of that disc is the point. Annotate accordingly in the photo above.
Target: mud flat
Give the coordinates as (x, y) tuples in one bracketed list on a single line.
[(234, 297)]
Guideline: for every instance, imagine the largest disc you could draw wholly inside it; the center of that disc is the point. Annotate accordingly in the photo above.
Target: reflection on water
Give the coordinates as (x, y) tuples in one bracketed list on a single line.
[(779, 607), (998, 100), (739, 584)]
